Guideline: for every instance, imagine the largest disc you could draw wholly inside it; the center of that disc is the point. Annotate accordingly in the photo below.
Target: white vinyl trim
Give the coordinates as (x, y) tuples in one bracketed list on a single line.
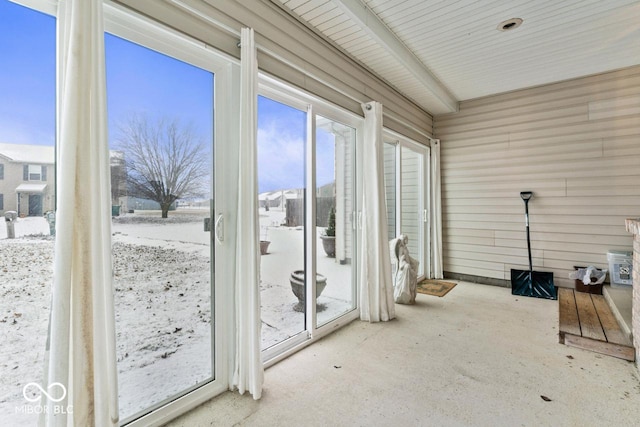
[(50, 7)]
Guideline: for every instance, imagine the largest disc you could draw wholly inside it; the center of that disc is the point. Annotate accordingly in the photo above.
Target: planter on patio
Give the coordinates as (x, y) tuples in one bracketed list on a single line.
[(297, 286), (264, 247), (329, 245), (329, 237)]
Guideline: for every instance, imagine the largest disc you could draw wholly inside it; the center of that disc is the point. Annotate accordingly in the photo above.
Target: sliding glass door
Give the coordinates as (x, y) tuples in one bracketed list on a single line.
[(165, 203), (389, 152), (334, 195), (161, 174), (282, 199), (406, 185), (164, 93), (27, 191), (307, 206)]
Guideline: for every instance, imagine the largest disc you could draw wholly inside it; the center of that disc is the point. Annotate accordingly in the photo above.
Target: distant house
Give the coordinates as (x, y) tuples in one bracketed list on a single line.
[(275, 199), (27, 179)]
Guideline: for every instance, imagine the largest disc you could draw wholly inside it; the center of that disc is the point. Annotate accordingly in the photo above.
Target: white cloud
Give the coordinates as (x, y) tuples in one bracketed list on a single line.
[(281, 158)]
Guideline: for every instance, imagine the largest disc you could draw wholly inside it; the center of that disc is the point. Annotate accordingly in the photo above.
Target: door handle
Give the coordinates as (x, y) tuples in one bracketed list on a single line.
[(219, 229)]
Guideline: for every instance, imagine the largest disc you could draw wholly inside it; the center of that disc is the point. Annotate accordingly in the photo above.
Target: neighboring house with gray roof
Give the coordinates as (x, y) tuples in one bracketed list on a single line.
[(27, 179)]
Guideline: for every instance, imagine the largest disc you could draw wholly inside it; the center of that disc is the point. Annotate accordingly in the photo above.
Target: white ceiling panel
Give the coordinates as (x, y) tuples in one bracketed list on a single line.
[(328, 25), (440, 52)]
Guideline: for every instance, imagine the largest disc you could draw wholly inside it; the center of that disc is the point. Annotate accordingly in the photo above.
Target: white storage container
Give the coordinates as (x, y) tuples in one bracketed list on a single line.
[(620, 268)]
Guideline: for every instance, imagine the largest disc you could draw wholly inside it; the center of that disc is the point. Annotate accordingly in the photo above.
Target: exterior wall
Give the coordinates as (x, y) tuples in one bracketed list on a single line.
[(575, 144), (291, 52), (13, 177)]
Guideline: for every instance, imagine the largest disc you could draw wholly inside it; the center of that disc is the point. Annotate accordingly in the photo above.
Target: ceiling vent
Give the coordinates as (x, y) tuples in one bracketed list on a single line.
[(510, 24)]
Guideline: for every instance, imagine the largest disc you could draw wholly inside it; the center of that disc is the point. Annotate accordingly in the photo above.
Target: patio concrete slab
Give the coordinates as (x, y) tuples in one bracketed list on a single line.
[(479, 356)]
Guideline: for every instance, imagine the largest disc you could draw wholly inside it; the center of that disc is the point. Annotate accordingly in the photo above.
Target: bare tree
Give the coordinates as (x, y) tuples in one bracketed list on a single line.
[(164, 161)]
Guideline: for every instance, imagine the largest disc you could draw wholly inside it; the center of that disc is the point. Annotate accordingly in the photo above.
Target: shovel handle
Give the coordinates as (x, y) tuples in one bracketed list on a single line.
[(526, 196)]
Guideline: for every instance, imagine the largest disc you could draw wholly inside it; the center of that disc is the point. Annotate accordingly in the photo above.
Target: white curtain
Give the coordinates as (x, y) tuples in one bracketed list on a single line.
[(436, 211), (249, 372), (376, 286), (81, 352)]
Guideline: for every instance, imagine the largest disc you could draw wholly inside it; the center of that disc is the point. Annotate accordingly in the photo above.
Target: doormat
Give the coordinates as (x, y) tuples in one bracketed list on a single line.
[(438, 288)]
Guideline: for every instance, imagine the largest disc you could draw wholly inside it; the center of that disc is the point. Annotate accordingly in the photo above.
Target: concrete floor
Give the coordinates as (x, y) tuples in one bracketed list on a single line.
[(479, 356)]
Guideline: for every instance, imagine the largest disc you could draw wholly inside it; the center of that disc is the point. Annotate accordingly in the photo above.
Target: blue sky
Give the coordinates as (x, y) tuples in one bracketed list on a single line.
[(281, 148), (27, 76), (139, 81), (142, 81)]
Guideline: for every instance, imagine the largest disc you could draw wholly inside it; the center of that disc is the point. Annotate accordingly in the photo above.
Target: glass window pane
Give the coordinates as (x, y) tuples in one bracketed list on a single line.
[(281, 181), (161, 133), (27, 136), (335, 191), (412, 203), (389, 153)]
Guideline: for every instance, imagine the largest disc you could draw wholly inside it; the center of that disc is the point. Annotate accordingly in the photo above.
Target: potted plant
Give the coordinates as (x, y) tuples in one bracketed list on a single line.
[(329, 236)]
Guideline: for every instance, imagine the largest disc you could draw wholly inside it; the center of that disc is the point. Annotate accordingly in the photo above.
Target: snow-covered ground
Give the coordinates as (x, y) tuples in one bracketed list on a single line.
[(286, 254), (162, 297), (25, 227)]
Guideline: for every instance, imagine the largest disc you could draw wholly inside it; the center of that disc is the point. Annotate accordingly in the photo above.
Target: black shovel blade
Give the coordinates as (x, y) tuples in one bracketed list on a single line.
[(537, 284), (521, 282)]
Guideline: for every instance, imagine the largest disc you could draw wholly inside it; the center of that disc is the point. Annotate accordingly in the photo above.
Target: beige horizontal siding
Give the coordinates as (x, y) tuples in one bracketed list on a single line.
[(295, 54), (575, 144)]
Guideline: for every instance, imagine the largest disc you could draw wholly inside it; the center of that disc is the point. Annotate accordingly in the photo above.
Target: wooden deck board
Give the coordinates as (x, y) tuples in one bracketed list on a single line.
[(589, 321), (586, 322), (608, 321), (569, 322), (602, 347)]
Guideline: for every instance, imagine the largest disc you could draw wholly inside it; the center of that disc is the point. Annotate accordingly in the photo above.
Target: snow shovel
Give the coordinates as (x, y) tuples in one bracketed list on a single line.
[(538, 284)]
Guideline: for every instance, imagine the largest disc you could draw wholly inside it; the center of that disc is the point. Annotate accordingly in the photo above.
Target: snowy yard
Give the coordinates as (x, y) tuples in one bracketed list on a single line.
[(162, 298), (162, 317)]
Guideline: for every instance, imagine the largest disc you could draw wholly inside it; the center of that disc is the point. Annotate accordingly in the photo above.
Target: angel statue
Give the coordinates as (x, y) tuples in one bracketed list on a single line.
[(404, 272)]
